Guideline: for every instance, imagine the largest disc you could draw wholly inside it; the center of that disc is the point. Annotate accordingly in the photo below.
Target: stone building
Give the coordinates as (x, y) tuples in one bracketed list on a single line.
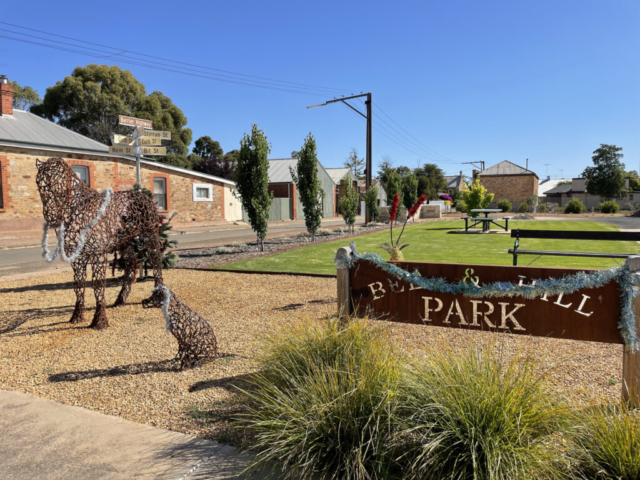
[(564, 192), (24, 137), (509, 181)]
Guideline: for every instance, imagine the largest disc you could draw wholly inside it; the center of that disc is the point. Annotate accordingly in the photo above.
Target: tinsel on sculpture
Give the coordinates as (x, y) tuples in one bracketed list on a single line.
[(90, 226), (538, 288)]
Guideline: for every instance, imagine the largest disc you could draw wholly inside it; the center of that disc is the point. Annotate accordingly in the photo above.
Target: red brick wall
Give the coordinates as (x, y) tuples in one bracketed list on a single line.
[(4, 183)]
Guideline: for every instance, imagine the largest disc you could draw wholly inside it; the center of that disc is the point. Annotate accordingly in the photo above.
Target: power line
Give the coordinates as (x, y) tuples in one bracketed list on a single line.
[(127, 59)]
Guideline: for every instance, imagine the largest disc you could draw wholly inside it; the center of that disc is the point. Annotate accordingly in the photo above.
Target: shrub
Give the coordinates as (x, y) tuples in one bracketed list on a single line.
[(627, 206), (476, 197), (460, 206), (574, 206), (323, 401), (473, 414), (505, 205), (593, 209), (238, 245), (559, 209), (542, 208), (224, 250), (606, 443), (524, 207), (609, 207)]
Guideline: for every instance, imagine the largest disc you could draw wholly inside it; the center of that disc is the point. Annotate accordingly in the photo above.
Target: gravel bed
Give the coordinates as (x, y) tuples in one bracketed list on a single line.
[(127, 370), (234, 252)]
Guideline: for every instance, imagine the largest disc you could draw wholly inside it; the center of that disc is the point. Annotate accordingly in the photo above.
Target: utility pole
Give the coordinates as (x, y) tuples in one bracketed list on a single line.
[(479, 164), (369, 118)]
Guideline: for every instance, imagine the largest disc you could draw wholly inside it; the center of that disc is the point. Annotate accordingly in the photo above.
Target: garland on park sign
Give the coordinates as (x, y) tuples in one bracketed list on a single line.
[(538, 288)]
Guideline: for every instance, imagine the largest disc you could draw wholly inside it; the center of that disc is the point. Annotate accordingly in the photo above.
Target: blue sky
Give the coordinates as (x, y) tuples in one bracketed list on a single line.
[(494, 80)]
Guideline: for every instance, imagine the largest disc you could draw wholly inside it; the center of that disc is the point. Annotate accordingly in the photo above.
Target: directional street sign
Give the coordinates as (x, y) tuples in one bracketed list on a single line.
[(123, 140), (148, 141), (163, 135), (134, 122), (122, 149), (153, 150)]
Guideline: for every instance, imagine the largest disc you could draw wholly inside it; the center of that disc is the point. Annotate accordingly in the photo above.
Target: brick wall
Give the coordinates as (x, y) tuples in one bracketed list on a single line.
[(514, 188), (23, 207)]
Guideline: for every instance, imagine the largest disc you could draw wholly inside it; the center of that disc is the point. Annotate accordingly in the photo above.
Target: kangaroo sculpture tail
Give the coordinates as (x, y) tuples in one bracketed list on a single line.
[(196, 340)]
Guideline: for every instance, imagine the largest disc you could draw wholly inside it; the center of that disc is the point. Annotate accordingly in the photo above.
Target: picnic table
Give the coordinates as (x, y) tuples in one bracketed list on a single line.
[(486, 221)]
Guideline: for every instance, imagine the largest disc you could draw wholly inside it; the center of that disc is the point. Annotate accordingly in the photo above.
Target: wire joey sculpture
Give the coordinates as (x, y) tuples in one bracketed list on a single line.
[(196, 340), (91, 225)]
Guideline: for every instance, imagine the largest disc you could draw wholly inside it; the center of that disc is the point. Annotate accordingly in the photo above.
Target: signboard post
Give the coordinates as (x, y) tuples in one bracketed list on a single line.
[(589, 314), (145, 141)]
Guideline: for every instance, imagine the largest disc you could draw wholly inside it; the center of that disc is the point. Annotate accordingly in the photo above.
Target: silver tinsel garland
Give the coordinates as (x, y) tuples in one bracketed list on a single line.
[(538, 288)]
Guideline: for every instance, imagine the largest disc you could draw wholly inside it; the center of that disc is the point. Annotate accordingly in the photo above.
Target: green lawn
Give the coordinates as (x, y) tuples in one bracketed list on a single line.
[(439, 242)]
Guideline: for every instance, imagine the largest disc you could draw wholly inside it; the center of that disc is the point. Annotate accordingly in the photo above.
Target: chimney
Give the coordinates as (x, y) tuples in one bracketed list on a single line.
[(6, 96)]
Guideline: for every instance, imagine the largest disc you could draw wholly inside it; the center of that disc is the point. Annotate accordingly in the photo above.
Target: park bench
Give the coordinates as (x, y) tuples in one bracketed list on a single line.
[(570, 235)]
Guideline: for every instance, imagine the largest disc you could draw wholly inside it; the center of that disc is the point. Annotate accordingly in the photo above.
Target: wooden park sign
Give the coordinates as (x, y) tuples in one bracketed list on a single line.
[(590, 314)]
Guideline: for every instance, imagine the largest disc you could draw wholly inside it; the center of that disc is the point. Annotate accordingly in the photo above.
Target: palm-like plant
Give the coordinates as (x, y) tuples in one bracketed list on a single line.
[(394, 248)]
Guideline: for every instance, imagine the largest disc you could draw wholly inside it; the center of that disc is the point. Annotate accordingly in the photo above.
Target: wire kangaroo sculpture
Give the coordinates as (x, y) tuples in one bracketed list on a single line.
[(89, 226)]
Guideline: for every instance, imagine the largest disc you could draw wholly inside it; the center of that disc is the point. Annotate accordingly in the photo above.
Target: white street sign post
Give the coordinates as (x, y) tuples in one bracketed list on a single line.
[(143, 142)]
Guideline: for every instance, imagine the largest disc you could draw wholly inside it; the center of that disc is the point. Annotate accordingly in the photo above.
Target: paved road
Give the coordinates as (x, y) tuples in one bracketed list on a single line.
[(29, 260), (45, 440)]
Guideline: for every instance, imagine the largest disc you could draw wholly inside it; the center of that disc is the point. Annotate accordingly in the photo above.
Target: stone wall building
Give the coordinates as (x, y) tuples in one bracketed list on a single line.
[(509, 181), (24, 137)]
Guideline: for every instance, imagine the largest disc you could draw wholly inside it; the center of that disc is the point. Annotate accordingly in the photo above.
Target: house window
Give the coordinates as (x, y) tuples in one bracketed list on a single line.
[(160, 192), (82, 173), (202, 192), (631, 196)]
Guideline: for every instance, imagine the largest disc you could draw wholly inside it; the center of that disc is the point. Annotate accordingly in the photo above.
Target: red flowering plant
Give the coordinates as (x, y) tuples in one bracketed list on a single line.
[(394, 248)]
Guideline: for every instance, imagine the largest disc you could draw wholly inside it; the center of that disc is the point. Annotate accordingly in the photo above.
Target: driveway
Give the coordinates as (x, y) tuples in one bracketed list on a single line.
[(28, 261)]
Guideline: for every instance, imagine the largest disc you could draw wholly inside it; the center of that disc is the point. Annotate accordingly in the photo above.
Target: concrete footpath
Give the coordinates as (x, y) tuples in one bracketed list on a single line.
[(44, 440)]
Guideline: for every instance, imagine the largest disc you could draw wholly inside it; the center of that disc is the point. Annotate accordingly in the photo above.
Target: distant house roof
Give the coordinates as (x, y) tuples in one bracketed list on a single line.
[(559, 189), (453, 181), (506, 168), (337, 174), (26, 130), (547, 185)]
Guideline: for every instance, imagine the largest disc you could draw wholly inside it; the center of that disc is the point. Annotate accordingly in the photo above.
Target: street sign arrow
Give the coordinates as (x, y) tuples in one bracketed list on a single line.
[(123, 140), (121, 149), (153, 150), (148, 141), (134, 122), (162, 134)]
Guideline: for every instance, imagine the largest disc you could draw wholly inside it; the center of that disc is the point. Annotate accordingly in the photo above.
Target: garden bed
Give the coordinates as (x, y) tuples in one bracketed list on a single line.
[(234, 252), (127, 370)]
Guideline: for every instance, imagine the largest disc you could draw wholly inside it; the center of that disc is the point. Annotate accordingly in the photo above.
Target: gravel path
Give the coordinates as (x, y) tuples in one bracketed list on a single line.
[(127, 369)]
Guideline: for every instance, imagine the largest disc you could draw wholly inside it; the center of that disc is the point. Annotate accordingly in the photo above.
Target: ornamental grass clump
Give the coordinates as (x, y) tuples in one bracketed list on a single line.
[(606, 443), (473, 413), (321, 406)]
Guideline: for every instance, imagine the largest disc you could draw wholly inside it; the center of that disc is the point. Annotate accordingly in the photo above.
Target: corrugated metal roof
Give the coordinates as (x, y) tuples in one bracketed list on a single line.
[(337, 174), (546, 185), (506, 168), (28, 128), (279, 170)]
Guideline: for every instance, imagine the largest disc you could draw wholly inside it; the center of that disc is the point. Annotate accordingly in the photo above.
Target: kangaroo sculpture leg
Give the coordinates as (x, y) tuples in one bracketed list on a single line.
[(129, 260)]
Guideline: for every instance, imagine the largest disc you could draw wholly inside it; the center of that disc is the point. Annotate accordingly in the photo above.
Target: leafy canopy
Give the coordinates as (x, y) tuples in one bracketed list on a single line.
[(409, 191), (431, 181), (24, 97), (476, 197), (252, 180), (371, 201), (355, 163), (606, 177), (349, 205), (308, 184), (206, 147), (90, 100)]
